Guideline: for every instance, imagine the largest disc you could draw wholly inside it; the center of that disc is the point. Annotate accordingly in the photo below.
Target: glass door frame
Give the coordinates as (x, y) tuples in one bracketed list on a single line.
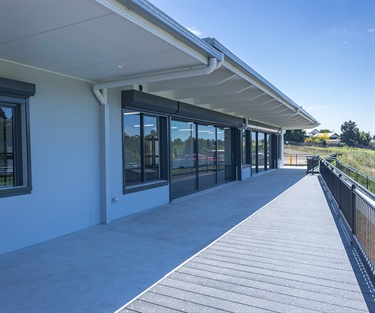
[(233, 154)]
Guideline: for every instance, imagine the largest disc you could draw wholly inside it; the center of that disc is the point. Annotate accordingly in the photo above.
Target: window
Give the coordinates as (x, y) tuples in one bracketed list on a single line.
[(268, 150), (142, 148), (14, 146), (207, 160), (184, 160), (254, 158), (15, 168), (261, 150), (246, 147)]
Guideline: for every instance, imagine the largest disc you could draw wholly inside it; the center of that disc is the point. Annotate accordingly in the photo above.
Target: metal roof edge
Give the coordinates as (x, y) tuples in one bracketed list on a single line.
[(227, 53), (153, 14)]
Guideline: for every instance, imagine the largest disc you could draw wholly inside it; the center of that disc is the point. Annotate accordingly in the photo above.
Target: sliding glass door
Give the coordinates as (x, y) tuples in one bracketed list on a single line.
[(207, 164), (225, 167), (261, 150), (184, 162), (201, 157)]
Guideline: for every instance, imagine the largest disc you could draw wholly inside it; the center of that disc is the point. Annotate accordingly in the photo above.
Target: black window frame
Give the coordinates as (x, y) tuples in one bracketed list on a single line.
[(163, 154), (21, 137)]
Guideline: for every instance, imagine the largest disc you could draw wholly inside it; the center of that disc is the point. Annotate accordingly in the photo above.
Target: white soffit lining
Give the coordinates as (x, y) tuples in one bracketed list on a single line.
[(87, 40), (126, 13), (229, 91)]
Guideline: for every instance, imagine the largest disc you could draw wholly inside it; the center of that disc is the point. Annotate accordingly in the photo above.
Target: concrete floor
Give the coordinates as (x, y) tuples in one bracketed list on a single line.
[(102, 268)]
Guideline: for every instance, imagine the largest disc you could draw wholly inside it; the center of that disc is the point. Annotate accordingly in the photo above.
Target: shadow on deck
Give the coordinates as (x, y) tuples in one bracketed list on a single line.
[(289, 256)]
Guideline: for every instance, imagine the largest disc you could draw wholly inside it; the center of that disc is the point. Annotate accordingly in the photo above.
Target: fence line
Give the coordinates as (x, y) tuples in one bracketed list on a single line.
[(361, 178), (296, 159)]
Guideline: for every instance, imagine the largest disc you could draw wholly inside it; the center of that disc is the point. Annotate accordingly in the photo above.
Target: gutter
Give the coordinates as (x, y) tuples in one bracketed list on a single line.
[(153, 14), (213, 64)]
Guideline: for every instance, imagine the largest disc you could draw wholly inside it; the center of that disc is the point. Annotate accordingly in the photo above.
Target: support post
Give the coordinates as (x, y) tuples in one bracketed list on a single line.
[(105, 162)]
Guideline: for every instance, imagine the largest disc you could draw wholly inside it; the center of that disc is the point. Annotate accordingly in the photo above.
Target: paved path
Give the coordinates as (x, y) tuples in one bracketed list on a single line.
[(288, 257)]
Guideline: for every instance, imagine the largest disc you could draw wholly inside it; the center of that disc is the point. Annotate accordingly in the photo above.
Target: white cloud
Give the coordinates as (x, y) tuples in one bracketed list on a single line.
[(317, 107), (195, 31), (371, 30)]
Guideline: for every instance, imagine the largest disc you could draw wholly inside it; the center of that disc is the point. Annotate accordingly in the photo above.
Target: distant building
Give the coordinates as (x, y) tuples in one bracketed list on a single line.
[(312, 132), (331, 136)]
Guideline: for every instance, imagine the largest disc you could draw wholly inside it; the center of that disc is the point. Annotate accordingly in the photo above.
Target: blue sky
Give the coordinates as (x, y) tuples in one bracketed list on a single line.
[(320, 53)]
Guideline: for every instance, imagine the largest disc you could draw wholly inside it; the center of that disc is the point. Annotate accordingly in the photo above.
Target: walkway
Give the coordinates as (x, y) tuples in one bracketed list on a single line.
[(289, 256)]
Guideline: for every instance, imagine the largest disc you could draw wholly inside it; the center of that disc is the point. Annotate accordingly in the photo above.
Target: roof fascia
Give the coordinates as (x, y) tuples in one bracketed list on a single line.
[(265, 84), (154, 15)]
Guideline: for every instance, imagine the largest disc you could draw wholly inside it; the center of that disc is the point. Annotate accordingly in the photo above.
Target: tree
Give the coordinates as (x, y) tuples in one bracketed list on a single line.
[(295, 135), (324, 131), (350, 133), (320, 139), (364, 138)]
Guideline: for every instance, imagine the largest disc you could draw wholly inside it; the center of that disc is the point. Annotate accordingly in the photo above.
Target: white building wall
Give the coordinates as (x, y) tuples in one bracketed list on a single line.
[(65, 126), (246, 173), (64, 139)]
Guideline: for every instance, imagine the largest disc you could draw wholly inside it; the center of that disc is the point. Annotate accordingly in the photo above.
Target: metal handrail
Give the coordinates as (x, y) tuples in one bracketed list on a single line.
[(369, 201), (357, 185), (357, 207)]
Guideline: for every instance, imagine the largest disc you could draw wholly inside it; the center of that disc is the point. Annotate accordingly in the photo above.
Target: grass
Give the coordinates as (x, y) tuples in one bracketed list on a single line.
[(361, 159)]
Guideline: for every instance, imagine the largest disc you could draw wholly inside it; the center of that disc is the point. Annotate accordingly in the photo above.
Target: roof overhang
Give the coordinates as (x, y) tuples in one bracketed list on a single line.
[(236, 89), (131, 40)]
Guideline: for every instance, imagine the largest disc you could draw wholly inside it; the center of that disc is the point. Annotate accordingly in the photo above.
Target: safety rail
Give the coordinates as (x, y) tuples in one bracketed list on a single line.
[(361, 178), (296, 159), (357, 205)]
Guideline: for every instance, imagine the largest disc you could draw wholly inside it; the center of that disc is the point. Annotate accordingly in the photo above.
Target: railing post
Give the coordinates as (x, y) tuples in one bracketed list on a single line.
[(353, 208), (339, 196)]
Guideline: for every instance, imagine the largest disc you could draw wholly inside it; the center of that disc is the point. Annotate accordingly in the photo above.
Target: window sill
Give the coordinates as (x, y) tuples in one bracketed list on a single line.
[(14, 191), (145, 186)]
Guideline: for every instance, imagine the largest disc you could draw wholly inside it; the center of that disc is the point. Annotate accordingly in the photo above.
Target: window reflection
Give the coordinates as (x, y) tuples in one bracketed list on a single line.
[(201, 156), (141, 148), (224, 154), (268, 149), (261, 147), (206, 149), (132, 148), (254, 158), (207, 159), (151, 142), (244, 147), (6, 147), (183, 136)]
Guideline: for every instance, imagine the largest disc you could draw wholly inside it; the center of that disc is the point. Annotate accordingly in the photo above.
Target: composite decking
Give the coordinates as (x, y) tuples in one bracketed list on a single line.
[(269, 244), (290, 256)]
